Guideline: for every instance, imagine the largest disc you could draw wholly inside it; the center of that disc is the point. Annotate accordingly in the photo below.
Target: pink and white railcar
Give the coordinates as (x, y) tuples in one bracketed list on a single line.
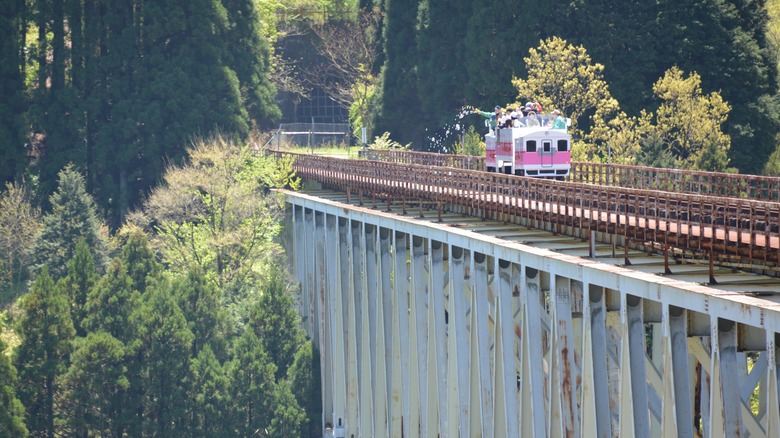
[(536, 151)]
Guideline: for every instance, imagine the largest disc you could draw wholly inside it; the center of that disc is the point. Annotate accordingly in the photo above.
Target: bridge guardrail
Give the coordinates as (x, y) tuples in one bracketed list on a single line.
[(736, 229), (764, 188)]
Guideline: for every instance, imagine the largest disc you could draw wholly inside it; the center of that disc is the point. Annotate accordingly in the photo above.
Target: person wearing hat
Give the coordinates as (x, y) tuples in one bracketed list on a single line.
[(560, 122), (492, 116)]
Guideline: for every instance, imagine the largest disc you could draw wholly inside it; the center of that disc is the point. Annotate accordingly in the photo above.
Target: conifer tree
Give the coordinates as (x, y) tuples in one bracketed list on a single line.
[(46, 331), (400, 109), (248, 54), (199, 301), (78, 283), (287, 415), (55, 113), (165, 345), (110, 304), (114, 100), (12, 105), (73, 216), (11, 409), (96, 386), (208, 401), (139, 260), (305, 384), (251, 375), (276, 323), (497, 36), (442, 57)]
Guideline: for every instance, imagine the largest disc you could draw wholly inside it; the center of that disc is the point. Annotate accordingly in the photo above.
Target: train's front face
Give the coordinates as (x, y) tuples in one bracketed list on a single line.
[(543, 152)]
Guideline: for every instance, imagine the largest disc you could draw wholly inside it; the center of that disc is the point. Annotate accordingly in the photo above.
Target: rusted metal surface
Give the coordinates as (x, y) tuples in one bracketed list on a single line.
[(733, 230), (541, 341), (764, 188), (424, 158)]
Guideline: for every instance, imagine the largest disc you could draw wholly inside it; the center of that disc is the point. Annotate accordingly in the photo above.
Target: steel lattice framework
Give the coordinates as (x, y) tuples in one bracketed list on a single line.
[(426, 329)]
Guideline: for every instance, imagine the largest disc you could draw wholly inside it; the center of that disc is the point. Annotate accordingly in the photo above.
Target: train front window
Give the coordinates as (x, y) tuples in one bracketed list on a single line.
[(547, 146), (530, 146), (563, 145)]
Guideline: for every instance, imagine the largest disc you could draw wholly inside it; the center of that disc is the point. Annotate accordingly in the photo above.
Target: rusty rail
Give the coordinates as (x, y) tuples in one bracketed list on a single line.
[(764, 188), (734, 230), (425, 158), (732, 185)]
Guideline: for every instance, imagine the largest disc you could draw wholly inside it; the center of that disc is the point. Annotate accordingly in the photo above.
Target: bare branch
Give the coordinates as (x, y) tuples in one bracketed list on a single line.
[(349, 50)]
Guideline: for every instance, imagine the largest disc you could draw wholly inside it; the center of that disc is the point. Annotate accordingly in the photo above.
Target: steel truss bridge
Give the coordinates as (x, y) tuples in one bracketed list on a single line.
[(450, 302)]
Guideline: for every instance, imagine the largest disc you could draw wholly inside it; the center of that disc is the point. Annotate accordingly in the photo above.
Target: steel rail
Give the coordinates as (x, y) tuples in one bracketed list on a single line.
[(764, 188), (734, 230)]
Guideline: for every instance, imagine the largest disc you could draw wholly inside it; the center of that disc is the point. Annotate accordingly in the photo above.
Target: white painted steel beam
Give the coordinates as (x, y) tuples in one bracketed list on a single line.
[(427, 330), (418, 311)]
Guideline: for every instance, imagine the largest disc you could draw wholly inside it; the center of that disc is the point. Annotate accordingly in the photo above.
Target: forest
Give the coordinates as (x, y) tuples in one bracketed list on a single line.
[(144, 289)]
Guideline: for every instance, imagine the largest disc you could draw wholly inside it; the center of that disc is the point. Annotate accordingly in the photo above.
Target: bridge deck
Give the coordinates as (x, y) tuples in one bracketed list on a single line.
[(729, 231)]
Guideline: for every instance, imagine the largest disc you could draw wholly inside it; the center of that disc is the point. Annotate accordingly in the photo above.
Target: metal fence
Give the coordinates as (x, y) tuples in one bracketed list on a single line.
[(312, 134)]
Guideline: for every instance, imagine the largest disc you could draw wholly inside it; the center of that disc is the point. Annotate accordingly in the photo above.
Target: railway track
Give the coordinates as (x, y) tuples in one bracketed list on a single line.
[(735, 225)]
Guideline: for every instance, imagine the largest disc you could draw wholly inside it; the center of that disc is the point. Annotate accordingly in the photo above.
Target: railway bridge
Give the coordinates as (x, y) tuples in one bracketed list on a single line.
[(450, 302)]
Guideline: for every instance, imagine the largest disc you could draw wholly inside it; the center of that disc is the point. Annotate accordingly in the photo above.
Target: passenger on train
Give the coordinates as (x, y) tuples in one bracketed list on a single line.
[(533, 119), (493, 117), (560, 122), (505, 120)]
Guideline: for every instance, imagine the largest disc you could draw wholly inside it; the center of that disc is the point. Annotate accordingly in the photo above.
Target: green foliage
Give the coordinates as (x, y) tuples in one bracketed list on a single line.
[(287, 417), (724, 42), (73, 216), (624, 36), (209, 400), (440, 67), (495, 37), (276, 322), (119, 89), (12, 104), (11, 409), (562, 76), (249, 55), (252, 380), (385, 142), (46, 330), (655, 153), (199, 301), (96, 385), (304, 377), (166, 344), (690, 122), (110, 304), (81, 277), (20, 223), (138, 259), (617, 140), (214, 213), (472, 144), (400, 107)]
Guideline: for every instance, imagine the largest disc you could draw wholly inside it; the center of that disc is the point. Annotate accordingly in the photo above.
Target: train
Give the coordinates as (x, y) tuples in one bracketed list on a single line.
[(530, 148)]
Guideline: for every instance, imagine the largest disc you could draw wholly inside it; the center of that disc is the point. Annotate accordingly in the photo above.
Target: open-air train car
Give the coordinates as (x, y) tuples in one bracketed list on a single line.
[(537, 151)]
